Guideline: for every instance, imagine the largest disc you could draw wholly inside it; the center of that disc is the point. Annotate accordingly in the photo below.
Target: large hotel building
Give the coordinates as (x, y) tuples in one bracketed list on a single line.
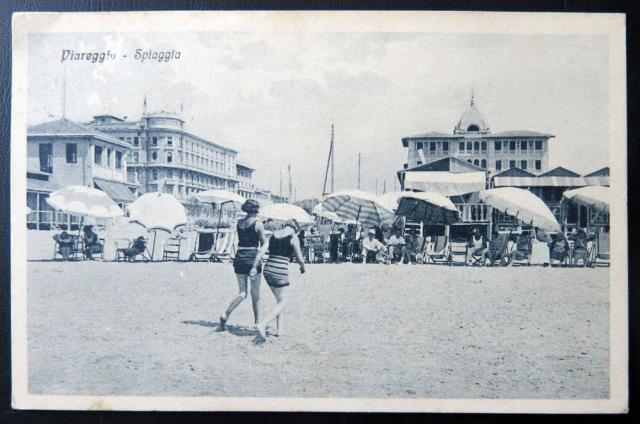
[(126, 158)]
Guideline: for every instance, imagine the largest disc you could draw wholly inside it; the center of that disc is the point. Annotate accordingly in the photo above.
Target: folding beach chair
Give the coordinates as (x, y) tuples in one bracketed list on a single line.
[(599, 256), (121, 245), (521, 253), (458, 249), (77, 249), (317, 249), (497, 251), (124, 254), (171, 249), (223, 245), (438, 251)]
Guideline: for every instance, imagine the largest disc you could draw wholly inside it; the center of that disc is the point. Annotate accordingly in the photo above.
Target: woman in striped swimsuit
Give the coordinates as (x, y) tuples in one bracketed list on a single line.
[(282, 245), (251, 236)]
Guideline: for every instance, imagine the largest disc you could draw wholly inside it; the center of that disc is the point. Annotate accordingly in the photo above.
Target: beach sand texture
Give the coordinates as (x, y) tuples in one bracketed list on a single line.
[(352, 330)]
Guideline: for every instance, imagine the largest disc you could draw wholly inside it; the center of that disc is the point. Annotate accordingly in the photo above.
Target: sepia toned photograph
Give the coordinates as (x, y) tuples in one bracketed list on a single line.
[(319, 211)]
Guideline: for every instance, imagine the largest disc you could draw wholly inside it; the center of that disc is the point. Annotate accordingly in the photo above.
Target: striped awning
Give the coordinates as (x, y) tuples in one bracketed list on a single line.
[(117, 191), (550, 181)]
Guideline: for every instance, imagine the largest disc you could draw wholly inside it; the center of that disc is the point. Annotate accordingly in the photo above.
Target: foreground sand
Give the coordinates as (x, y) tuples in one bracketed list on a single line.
[(104, 328)]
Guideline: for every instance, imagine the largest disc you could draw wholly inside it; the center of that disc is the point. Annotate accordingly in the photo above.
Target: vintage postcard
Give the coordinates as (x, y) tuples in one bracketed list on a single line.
[(319, 211)]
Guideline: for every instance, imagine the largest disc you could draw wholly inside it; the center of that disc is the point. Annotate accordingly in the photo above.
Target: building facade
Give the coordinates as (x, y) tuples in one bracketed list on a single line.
[(62, 153), (473, 142), (165, 157)]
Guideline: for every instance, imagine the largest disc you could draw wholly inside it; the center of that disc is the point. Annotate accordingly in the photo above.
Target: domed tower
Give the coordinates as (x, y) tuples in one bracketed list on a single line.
[(472, 121)]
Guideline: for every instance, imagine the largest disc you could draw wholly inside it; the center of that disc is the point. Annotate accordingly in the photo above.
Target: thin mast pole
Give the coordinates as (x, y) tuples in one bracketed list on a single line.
[(329, 163), (358, 170), (333, 155), (290, 186)]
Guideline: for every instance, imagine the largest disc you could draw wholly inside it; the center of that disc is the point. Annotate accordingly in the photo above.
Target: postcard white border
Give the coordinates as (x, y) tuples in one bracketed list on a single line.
[(612, 25)]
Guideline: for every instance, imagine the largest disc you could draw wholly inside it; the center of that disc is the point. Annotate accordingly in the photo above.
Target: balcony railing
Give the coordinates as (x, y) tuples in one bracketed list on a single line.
[(474, 212)]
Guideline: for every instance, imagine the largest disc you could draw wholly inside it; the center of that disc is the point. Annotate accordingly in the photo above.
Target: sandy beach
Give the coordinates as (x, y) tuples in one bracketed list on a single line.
[(352, 330)]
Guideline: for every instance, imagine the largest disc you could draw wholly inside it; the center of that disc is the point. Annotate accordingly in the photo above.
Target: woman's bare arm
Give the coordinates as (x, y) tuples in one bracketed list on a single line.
[(296, 250)]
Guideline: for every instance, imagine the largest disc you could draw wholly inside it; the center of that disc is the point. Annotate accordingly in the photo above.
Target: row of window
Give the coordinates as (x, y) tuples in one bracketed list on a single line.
[(98, 153), (190, 160), (190, 177), (45, 154), (190, 146), (481, 146), (537, 164)]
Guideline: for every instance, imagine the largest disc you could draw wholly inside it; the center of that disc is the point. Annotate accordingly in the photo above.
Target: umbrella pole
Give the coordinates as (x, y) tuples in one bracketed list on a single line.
[(354, 242), (218, 226), (153, 248)]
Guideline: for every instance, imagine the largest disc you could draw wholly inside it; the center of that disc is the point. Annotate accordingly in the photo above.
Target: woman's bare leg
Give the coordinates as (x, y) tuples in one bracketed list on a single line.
[(242, 295), (255, 297), (276, 313)]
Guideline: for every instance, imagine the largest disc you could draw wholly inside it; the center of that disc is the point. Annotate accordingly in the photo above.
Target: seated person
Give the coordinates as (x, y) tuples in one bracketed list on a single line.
[(477, 246), (523, 247), (371, 247), (558, 248), (398, 248), (335, 242), (65, 245), (138, 247), (580, 251), (412, 246), (91, 242)]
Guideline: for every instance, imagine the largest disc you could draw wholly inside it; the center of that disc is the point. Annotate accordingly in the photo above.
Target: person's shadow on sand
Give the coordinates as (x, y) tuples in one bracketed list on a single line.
[(236, 330)]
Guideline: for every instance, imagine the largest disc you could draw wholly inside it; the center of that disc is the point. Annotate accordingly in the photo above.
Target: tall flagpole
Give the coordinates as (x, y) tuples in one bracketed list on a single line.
[(358, 170), (333, 155)]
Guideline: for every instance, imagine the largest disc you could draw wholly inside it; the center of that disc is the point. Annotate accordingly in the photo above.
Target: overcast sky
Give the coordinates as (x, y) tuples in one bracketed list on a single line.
[(274, 99)]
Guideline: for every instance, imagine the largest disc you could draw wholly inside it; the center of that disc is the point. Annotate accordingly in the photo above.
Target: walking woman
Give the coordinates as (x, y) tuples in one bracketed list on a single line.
[(251, 236), (282, 245)]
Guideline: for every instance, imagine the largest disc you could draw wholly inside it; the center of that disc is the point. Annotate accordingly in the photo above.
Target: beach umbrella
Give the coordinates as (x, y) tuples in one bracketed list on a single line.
[(221, 198), (85, 201), (596, 197), (157, 211), (427, 207), (390, 199), (320, 212), (286, 211), (523, 205), (359, 205)]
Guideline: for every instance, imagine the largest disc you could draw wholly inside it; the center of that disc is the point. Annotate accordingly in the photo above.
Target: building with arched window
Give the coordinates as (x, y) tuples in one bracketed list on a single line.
[(472, 141)]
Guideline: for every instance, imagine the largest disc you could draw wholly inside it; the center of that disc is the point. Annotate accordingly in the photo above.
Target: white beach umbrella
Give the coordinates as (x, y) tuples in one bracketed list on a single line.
[(596, 197), (362, 206), (220, 197), (523, 205), (85, 201), (286, 211), (157, 211), (430, 208), (390, 199), (320, 212)]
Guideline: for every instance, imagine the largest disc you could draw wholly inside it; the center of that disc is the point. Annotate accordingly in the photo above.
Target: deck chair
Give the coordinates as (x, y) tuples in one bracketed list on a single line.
[(316, 248), (203, 250), (121, 245), (144, 254), (76, 248), (599, 256), (497, 251), (521, 253), (458, 249), (438, 251), (224, 242), (171, 249)]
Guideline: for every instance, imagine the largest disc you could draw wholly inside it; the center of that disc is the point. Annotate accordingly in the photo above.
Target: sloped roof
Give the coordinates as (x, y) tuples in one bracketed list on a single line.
[(514, 172), (519, 133), (67, 128), (448, 164), (603, 172), (559, 172)]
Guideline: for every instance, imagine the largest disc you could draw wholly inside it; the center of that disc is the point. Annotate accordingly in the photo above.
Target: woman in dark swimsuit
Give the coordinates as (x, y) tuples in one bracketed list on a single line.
[(251, 236), (282, 245)]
